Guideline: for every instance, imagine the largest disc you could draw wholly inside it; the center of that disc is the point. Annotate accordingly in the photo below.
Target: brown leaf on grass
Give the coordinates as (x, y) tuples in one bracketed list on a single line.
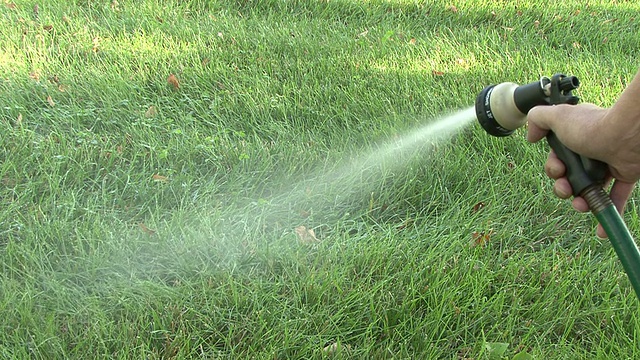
[(36, 10), (173, 81), (412, 41), (452, 8), (151, 112), (146, 229), (477, 207), (160, 178), (34, 75), (11, 6), (50, 101), (66, 19), (437, 73), (47, 27), (480, 238), (306, 236)]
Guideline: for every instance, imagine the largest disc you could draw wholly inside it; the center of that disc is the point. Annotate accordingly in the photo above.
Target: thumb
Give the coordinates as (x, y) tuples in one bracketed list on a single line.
[(571, 123), (540, 119)]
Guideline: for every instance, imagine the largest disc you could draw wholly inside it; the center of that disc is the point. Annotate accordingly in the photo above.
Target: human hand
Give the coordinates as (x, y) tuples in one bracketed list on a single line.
[(587, 129)]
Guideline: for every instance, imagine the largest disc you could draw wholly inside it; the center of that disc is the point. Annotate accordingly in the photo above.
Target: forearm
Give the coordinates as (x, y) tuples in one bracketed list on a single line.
[(627, 108), (621, 132)]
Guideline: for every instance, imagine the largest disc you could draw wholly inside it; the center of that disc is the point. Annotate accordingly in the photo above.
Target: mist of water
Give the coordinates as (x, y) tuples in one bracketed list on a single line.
[(333, 194), (331, 190)]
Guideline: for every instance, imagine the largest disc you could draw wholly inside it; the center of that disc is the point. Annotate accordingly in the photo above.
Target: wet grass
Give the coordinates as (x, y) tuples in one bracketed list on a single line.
[(141, 219)]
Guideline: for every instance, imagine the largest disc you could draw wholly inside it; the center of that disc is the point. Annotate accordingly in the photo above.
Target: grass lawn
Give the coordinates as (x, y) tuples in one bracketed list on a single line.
[(226, 179)]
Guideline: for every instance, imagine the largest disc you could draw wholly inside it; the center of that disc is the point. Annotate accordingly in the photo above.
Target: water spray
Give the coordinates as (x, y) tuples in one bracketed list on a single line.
[(503, 108)]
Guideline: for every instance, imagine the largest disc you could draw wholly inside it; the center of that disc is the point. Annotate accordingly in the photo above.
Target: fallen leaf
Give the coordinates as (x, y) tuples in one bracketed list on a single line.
[(65, 19), (48, 27), (173, 81), (62, 88), (477, 207), (412, 41), (452, 8), (11, 6), (305, 235), (160, 178), (519, 13), (205, 61), (146, 229), (36, 10), (437, 73), (536, 23), (151, 112), (34, 75), (480, 238), (50, 101)]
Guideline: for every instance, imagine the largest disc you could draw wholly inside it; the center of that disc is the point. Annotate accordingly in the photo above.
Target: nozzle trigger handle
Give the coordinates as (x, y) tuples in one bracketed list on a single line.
[(581, 171)]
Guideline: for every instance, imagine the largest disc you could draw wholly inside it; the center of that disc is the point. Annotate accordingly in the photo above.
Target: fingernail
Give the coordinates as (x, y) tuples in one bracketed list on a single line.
[(559, 193)]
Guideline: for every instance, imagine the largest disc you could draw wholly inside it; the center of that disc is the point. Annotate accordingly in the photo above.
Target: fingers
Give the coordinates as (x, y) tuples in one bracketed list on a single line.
[(620, 193), (600, 232), (554, 167)]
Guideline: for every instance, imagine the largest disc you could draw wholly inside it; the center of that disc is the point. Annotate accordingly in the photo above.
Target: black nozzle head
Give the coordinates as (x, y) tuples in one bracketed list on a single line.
[(568, 83), (485, 116)]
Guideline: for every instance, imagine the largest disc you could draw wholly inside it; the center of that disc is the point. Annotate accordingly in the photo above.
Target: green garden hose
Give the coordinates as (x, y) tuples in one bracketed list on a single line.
[(621, 240)]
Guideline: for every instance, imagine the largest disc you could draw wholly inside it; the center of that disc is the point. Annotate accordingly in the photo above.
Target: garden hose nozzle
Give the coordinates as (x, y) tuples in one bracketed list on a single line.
[(503, 108)]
